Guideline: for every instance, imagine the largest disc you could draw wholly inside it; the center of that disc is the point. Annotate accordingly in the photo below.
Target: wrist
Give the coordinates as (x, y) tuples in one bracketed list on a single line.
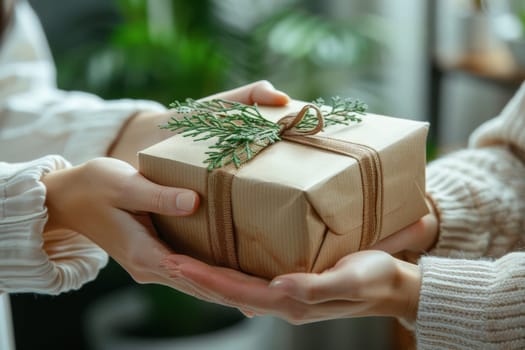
[(407, 291), (138, 132), (433, 225), (59, 187)]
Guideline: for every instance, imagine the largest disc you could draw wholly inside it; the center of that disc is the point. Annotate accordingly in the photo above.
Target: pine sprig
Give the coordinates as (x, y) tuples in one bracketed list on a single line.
[(341, 111), (242, 131)]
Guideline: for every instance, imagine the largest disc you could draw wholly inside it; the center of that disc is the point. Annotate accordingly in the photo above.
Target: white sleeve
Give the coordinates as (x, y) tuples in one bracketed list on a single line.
[(36, 118), (31, 261)]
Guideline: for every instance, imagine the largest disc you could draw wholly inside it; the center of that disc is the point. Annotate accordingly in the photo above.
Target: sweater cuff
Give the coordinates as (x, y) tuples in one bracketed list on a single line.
[(479, 198), (469, 304), (457, 213), (21, 192), (31, 261)]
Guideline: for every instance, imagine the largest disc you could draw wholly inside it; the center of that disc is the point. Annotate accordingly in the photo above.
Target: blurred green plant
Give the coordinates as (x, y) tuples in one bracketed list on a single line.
[(140, 63), (147, 59), (171, 49), (521, 16), (305, 51)]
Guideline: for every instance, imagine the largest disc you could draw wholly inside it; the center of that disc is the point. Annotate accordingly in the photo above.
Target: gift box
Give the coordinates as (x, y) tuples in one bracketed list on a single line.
[(300, 204)]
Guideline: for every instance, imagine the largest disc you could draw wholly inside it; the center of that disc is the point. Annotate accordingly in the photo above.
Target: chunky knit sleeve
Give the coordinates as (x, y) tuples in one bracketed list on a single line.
[(472, 304), (473, 281), (31, 261), (479, 195)]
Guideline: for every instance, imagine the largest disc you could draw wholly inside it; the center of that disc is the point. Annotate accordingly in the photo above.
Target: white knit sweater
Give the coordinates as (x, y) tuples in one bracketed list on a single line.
[(473, 287), (37, 119)]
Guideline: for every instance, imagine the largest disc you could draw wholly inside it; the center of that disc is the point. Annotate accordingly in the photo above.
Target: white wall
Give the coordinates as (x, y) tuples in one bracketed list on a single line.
[(404, 73)]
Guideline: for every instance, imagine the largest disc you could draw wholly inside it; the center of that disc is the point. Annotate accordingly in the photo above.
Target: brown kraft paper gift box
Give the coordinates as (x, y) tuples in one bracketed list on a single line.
[(294, 207)]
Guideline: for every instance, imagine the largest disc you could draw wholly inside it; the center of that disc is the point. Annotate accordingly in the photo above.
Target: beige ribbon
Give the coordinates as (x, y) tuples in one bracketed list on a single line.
[(220, 215)]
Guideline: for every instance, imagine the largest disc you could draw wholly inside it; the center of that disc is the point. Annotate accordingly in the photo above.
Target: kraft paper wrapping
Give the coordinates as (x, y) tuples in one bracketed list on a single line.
[(295, 208)]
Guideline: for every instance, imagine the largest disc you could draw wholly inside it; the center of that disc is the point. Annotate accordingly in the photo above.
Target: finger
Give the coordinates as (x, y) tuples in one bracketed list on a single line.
[(261, 92), (161, 273), (288, 309), (183, 286), (247, 313), (140, 194), (249, 294), (211, 294), (417, 237), (311, 288), (358, 276), (330, 310), (230, 287), (252, 296), (175, 263), (399, 241)]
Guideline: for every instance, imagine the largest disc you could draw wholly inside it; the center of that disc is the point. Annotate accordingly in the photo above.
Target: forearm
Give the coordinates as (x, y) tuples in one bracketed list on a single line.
[(140, 131), (472, 304)]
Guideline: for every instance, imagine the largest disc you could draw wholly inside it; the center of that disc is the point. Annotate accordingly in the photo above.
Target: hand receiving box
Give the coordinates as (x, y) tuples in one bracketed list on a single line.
[(301, 203)]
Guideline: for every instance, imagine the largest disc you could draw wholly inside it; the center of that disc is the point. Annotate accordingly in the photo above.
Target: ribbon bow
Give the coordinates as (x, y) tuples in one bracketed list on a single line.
[(288, 125)]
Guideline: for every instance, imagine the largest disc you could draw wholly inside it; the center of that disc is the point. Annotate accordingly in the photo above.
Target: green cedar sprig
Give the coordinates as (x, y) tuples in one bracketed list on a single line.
[(242, 131), (340, 111)]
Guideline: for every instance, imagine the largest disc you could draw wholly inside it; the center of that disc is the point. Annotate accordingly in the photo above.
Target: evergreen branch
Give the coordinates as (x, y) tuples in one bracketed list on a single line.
[(241, 131), (340, 111)]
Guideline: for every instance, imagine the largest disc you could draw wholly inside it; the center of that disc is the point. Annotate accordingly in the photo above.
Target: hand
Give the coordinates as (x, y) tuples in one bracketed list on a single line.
[(142, 130), (412, 241), (366, 283), (361, 284), (106, 200)]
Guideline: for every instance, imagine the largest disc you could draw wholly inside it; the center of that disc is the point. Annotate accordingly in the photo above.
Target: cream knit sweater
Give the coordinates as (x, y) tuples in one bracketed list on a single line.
[(473, 287)]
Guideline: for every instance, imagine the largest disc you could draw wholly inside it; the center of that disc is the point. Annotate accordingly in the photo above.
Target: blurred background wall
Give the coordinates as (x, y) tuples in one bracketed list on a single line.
[(308, 48), (454, 63)]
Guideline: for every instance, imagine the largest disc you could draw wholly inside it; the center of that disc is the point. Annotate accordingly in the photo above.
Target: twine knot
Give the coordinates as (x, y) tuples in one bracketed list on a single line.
[(288, 124)]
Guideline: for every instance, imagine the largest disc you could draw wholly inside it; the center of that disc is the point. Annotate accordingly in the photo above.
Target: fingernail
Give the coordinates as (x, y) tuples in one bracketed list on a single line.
[(282, 284), (185, 201), (282, 99), (172, 268), (173, 272), (247, 313)]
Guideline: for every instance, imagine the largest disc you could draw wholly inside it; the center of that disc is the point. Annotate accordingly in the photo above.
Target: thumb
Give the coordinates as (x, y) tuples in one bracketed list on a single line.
[(261, 92), (311, 288), (144, 195), (264, 93)]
